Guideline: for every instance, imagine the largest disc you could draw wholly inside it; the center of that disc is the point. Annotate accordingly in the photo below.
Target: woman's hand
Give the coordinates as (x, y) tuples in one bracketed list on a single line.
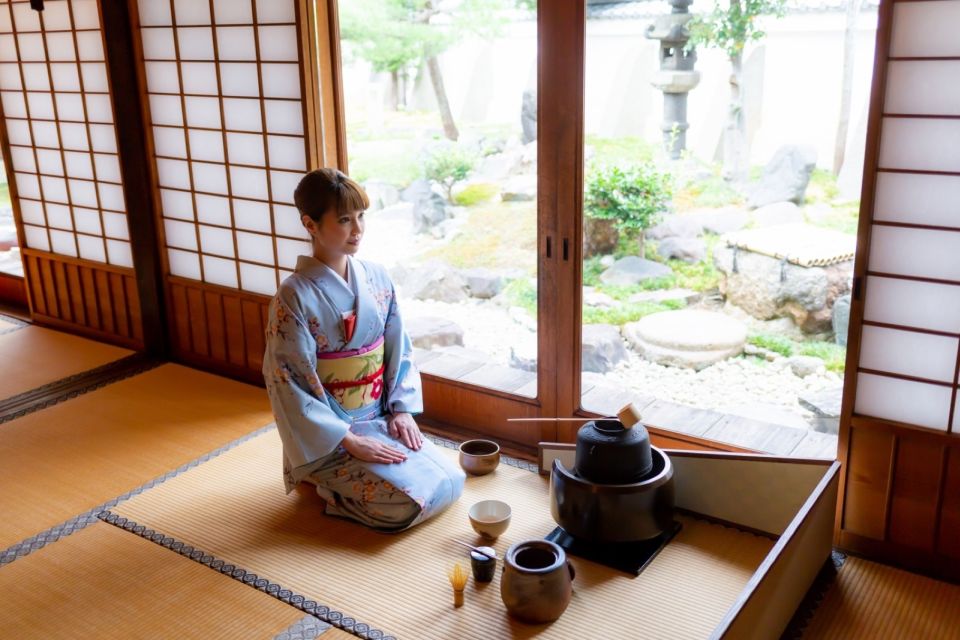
[(403, 427), (371, 450)]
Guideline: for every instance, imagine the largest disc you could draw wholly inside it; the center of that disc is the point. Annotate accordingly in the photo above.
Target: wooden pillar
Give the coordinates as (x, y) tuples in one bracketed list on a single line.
[(126, 94)]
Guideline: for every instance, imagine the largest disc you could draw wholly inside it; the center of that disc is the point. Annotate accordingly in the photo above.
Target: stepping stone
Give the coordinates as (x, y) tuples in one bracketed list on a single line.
[(659, 295), (632, 270), (689, 338), (602, 348), (427, 332)]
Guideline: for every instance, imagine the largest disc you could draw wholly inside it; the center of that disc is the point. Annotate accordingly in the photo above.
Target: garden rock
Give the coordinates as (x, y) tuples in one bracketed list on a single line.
[(689, 338), (676, 226), (769, 288), (427, 332), (602, 348), (600, 236), (519, 189), (633, 270), (841, 319), (689, 250), (528, 115), (776, 214), (436, 281), (660, 295), (824, 403), (429, 207), (524, 356), (381, 194), (785, 177), (594, 298), (721, 221), (483, 283), (499, 166), (803, 366)]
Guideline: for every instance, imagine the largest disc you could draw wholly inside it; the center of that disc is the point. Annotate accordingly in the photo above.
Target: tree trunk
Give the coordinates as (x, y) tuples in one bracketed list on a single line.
[(846, 90), (436, 79), (395, 90), (734, 134)]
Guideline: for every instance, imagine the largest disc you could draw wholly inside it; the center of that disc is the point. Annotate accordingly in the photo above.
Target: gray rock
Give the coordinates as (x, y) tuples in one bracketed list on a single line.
[(769, 288), (607, 261), (633, 270), (519, 189), (841, 319), (381, 194), (803, 366), (721, 221), (602, 348), (776, 214), (436, 281), (785, 177), (689, 338), (415, 190), (428, 332), (687, 295), (824, 403), (825, 425), (528, 115), (689, 250), (594, 298), (499, 166), (482, 282), (430, 208), (676, 226), (524, 356)]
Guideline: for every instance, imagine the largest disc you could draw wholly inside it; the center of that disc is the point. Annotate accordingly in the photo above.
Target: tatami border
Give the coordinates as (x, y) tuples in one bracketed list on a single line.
[(306, 628), (19, 324)]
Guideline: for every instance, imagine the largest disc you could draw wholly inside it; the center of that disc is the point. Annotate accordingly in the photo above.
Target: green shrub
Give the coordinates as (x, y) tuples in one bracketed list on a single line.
[(475, 194), (447, 165), (833, 355), (630, 312), (777, 344), (522, 293), (632, 196)]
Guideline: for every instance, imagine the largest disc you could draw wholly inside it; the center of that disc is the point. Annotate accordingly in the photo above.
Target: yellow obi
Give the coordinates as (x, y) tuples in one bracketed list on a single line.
[(354, 378)]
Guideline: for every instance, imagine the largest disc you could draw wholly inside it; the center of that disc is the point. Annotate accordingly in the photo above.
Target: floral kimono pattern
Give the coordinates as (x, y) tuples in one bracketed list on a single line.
[(305, 333)]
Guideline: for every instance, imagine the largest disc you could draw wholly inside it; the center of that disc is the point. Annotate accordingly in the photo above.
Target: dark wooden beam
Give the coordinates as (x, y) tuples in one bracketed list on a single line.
[(126, 96)]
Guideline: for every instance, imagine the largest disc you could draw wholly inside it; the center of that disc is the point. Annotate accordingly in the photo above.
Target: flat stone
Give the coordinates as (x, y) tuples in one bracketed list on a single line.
[(436, 281), (841, 319), (482, 282), (427, 332), (803, 366), (660, 295), (524, 356), (689, 338), (721, 221), (633, 270), (602, 348), (688, 250), (776, 214), (824, 403), (594, 298), (676, 226)]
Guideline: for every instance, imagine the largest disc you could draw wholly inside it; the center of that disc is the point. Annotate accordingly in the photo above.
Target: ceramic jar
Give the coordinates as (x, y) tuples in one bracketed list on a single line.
[(537, 581)]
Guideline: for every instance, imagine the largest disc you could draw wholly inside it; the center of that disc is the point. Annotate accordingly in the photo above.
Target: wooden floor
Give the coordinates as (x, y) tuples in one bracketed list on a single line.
[(466, 365)]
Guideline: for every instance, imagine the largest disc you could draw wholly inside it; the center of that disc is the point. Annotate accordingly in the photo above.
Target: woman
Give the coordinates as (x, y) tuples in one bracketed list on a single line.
[(340, 374)]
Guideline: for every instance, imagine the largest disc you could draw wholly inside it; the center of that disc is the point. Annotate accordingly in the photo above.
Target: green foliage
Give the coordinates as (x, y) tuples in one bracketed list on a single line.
[(592, 268), (522, 293), (833, 355), (447, 165), (495, 235), (731, 28), (390, 163), (475, 194), (4, 194), (822, 187), (842, 217), (621, 150), (633, 196), (709, 192), (630, 312)]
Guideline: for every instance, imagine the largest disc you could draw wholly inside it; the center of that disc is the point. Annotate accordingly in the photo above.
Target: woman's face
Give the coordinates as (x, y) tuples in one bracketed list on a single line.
[(337, 233)]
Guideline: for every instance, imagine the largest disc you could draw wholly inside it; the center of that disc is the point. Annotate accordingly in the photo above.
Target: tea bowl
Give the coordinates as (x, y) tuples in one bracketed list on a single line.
[(490, 518), (479, 457)]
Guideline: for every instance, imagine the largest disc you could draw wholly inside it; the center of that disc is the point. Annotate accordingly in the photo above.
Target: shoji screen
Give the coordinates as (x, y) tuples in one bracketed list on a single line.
[(63, 167), (903, 460), (234, 117)]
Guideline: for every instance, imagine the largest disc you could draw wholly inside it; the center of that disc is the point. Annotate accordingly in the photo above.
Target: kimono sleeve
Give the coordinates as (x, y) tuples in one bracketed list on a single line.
[(402, 379), (309, 427)]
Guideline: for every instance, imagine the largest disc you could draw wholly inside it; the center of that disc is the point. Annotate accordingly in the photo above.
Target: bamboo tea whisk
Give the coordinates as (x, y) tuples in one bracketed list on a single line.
[(458, 580)]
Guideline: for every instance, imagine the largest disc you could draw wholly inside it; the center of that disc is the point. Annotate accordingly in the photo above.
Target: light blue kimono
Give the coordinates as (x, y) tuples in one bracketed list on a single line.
[(305, 319)]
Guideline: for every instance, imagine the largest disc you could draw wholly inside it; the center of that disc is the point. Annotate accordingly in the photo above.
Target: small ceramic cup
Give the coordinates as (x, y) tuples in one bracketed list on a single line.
[(479, 457), (490, 518)]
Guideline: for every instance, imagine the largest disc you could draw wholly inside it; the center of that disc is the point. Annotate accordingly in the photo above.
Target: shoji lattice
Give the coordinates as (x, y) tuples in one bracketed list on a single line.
[(910, 339), (226, 95), (59, 124)]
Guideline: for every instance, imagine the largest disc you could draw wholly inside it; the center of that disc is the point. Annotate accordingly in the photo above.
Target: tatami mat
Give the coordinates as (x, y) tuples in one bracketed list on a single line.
[(234, 508), (61, 461), (105, 583), (870, 600), (34, 356)]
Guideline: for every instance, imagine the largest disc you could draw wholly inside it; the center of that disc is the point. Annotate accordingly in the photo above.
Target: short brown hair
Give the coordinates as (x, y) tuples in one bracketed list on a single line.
[(323, 189)]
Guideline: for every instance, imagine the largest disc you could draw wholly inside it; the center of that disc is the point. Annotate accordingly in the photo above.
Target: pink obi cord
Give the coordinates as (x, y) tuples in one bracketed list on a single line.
[(337, 355)]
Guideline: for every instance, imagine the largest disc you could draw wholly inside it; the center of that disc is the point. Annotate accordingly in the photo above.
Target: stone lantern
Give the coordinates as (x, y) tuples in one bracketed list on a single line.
[(676, 75)]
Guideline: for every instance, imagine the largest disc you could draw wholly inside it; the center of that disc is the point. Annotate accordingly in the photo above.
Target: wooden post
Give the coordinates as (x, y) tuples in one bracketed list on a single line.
[(126, 95)]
